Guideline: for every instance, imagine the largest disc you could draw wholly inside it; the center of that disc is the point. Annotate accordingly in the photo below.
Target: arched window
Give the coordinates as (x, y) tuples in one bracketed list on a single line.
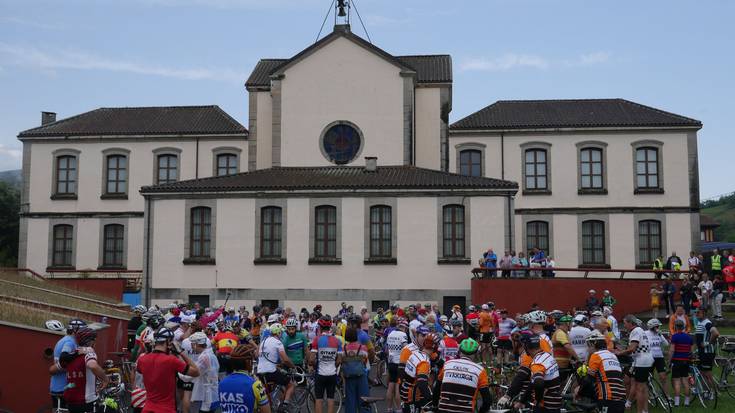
[(168, 168), (593, 242), (270, 232), (470, 162), (114, 245), (66, 175), (537, 235), (63, 248), (380, 231), (325, 231), (536, 171), (201, 232), (649, 241), (453, 220)]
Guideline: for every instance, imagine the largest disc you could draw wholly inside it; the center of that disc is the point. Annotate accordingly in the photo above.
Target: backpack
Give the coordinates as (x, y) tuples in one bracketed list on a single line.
[(353, 365)]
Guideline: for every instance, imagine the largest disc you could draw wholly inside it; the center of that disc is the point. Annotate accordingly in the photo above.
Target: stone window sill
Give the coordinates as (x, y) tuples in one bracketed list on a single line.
[(61, 268), (199, 261), (114, 196), (381, 261), (592, 191), (452, 261), (269, 261), (325, 261), (64, 197), (639, 191), (536, 192)]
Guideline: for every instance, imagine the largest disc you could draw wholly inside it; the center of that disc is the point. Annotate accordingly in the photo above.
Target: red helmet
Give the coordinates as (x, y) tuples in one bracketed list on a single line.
[(84, 336), (325, 322), (431, 341)]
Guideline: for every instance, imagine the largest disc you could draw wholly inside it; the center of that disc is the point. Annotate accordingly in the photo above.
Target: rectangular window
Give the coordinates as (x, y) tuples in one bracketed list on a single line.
[(168, 168), (201, 232), (649, 241), (646, 168), (114, 245), (536, 171), (470, 162), (66, 175), (593, 242), (537, 235), (63, 247), (270, 232), (591, 168), (380, 231), (226, 164), (453, 231), (117, 174), (325, 232)]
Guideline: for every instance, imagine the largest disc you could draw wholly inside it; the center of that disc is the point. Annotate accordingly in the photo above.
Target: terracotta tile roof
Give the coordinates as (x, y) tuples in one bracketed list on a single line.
[(577, 113), (334, 178), (162, 120)]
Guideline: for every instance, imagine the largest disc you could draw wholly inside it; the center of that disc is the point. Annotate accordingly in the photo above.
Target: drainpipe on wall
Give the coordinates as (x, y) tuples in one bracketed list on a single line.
[(502, 155), (148, 249), (196, 162), (510, 221)]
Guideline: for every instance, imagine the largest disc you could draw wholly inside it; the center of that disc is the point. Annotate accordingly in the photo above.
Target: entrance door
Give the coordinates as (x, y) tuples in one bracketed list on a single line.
[(452, 300), (379, 304), (272, 304), (203, 300)]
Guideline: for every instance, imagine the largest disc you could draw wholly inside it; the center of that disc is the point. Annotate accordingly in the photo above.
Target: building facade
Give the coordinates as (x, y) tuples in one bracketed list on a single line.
[(349, 185)]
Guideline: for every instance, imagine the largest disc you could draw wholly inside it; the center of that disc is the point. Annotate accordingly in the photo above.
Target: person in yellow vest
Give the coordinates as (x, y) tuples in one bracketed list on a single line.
[(658, 267), (716, 262)]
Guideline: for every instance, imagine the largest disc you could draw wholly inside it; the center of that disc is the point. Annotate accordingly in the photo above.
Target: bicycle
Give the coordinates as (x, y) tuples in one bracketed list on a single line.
[(701, 389), (656, 395), (300, 397), (127, 367), (726, 381)]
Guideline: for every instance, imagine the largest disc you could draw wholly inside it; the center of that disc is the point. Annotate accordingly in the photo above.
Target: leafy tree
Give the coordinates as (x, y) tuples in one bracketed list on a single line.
[(9, 220)]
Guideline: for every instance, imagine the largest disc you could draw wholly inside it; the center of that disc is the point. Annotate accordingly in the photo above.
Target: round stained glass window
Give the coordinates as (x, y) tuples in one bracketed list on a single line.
[(341, 142)]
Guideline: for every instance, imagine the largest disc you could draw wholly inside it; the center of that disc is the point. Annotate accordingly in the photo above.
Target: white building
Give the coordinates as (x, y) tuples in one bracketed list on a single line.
[(352, 187)]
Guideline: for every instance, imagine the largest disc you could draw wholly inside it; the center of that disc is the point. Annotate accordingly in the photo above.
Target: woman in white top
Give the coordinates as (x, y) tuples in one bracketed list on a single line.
[(205, 392)]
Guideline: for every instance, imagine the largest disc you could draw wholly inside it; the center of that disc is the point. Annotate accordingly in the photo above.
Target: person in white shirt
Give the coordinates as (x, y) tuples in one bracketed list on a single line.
[(612, 321), (658, 342), (412, 326), (705, 288), (578, 337), (640, 349), (205, 391), (396, 340)]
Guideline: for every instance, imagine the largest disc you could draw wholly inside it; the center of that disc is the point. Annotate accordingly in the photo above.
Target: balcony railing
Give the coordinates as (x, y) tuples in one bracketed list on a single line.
[(486, 273)]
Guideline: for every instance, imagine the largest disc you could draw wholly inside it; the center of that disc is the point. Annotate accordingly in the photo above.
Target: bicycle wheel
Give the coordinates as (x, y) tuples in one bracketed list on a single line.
[(656, 395), (727, 378), (382, 374), (339, 395), (707, 398)]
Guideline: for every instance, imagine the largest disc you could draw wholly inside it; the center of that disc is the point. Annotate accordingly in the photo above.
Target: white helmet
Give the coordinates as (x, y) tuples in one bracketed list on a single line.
[(198, 338), (55, 325), (580, 319), (653, 323), (291, 322), (537, 317), (485, 307), (273, 318), (597, 313), (595, 336)]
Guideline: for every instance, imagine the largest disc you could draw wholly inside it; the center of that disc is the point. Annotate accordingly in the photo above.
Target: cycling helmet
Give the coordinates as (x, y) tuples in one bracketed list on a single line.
[(565, 319), (198, 338), (402, 323), (279, 310), (537, 317), (55, 325), (242, 352), (597, 313), (273, 318), (594, 337), (491, 304), (524, 318), (653, 323), (75, 324), (139, 309), (456, 322), (423, 330), (156, 321), (163, 334), (580, 319), (531, 341), (485, 307), (443, 318), (291, 322), (227, 327), (84, 336), (472, 308), (276, 330), (468, 346), (679, 324), (431, 341), (325, 322), (556, 314)]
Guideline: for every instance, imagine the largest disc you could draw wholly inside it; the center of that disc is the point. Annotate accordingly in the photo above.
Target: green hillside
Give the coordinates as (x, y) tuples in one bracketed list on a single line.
[(722, 210)]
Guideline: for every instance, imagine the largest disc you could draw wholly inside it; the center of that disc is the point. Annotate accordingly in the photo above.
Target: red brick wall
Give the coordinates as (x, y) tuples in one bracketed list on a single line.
[(110, 288), (517, 295)]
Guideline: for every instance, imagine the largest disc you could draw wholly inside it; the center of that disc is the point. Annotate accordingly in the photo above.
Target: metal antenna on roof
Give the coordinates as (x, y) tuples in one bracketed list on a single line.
[(354, 3), (331, 6)]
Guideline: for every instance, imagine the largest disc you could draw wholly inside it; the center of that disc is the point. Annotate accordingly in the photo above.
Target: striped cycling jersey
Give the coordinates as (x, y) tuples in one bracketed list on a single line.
[(657, 342), (544, 367), (703, 332), (505, 328), (448, 349), (417, 368), (406, 352), (605, 369), (682, 343), (461, 381)]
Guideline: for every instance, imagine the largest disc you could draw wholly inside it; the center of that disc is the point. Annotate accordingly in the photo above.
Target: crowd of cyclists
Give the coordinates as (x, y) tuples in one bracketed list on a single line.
[(193, 359)]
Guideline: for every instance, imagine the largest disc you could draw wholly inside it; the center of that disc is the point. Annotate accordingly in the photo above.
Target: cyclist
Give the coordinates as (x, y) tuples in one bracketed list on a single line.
[(460, 381), (295, 342), (64, 352), (363, 337), (505, 327), (135, 322), (457, 331), (272, 354), (537, 320), (639, 348), (82, 372), (238, 391), (705, 337), (204, 391), (415, 390), (545, 382), (473, 320), (395, 342), (563, 350), (486, 327), (657, 342), (605, 372), (680, 354), (159, 369), (448, 348), (326, 355), (578, 336)]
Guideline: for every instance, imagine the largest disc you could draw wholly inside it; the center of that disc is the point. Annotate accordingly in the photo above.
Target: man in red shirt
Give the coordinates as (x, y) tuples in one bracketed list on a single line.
[(159, 370)]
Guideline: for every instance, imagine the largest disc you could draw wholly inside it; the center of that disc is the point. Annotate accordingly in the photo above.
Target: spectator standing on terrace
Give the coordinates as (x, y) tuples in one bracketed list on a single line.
[(523, 263), (515, 262), (673, 263), (490, 260), (693, 262), (505, 264), (658, 267), (608, 300), (719, 287), (686, 291), (550, 264), (538, 259), (715, 262), (592, 303), (705, 289), (668, 296)]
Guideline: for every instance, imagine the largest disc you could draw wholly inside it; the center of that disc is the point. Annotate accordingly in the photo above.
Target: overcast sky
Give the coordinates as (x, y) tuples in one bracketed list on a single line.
[(72, 56)]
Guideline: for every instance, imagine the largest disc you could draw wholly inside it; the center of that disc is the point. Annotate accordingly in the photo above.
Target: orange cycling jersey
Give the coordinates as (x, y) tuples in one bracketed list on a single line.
[(406, 352), (461, 381), (417, 368), (544, 367), (605, 369), (525, 360), (487, 324)]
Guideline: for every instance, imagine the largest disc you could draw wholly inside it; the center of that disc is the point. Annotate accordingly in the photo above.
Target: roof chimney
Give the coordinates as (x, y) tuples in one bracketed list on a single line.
[(371, 164), (48, 117)]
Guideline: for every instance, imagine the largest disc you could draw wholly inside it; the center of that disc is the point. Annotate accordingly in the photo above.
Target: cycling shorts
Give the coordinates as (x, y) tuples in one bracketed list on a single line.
[(659, 365), (706, 361), (505, 344), (640, 374), (679, 369), (278, 377), (325, 384), (184, 385), (82, 408), (392, 372), (486, 338)]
